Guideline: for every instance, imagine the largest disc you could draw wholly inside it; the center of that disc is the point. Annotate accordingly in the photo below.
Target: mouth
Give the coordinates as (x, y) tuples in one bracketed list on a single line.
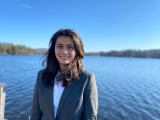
[(64, 57)]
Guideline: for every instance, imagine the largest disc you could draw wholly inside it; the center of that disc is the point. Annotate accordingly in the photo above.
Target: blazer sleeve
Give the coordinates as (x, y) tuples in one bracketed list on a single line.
[(90, 100), (35, 110)]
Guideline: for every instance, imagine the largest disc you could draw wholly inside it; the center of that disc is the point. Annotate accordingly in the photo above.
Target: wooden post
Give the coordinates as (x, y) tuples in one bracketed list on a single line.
[(2, 101)]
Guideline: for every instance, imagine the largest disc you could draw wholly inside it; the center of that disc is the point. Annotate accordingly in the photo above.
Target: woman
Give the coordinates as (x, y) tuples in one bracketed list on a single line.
[(63, 90)]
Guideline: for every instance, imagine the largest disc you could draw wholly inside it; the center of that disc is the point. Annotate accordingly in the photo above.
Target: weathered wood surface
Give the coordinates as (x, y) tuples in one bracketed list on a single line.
[(2, 101)]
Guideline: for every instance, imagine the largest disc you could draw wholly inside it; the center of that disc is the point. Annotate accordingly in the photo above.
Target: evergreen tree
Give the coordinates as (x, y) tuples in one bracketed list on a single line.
[(14, 49), (9, 51)]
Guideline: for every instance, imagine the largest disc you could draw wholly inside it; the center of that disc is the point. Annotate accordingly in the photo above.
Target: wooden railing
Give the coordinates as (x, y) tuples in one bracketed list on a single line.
[(2, 101)]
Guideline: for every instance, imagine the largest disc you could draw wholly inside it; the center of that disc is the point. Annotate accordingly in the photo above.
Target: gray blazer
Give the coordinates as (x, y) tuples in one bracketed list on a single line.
[(79, 101)]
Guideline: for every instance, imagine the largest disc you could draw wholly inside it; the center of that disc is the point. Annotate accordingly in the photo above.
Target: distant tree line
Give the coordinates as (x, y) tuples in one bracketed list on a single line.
[(8, 48), (128, 53)]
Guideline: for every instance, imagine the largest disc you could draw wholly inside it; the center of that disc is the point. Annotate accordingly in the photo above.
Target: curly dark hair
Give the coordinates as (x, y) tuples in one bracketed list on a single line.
[(52, 65)]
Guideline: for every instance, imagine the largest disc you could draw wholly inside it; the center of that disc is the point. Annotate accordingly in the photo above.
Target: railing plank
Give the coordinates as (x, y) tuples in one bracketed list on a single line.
[(2, 101)]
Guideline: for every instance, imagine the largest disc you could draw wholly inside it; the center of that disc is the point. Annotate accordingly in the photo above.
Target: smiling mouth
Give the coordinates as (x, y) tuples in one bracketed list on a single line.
[(64, 57)]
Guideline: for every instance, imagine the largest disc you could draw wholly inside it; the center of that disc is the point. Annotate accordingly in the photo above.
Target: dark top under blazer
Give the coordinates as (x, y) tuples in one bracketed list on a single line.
[(79, 101)]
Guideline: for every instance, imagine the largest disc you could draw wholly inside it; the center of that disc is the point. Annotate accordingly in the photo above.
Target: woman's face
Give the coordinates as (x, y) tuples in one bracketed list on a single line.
[(64, 50)]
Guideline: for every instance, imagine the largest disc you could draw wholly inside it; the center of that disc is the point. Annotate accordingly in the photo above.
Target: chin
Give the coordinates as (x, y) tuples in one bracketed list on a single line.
[(66, 63)]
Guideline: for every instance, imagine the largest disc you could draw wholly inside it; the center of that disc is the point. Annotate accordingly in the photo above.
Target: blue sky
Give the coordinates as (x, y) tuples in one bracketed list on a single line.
[(103, 25)]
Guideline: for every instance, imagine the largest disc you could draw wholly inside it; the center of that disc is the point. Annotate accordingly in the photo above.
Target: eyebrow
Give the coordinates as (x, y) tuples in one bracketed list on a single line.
[(67, 44)]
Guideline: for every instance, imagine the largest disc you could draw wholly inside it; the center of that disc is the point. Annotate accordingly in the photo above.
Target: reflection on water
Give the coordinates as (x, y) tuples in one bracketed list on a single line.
[(128, 88)]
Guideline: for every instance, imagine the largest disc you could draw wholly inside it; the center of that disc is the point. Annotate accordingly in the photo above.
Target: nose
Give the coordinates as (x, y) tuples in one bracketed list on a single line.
[(64, 51)]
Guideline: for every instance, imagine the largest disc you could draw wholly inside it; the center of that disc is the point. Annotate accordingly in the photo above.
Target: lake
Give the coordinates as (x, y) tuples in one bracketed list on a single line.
[(128, 88)]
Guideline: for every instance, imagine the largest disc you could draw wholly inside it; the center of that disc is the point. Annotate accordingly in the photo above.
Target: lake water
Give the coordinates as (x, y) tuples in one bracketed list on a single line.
[(128, 88)]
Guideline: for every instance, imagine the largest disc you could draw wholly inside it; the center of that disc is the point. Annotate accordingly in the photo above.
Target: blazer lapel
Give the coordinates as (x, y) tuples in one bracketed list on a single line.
[(49, 98), (64, 97)]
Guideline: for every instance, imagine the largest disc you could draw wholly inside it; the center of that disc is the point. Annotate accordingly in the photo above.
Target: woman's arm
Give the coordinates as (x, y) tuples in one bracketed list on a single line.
[(35, 110), (90, 100)]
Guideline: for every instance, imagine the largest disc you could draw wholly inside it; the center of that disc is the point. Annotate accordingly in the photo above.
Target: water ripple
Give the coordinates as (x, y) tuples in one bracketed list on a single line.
[(128, 88)]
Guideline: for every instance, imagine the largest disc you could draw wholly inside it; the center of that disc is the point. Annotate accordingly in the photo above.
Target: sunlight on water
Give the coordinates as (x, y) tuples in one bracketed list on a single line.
[(128, 88)]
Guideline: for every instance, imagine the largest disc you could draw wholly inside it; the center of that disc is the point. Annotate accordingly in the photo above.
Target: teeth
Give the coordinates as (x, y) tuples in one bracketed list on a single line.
[(64, 57)]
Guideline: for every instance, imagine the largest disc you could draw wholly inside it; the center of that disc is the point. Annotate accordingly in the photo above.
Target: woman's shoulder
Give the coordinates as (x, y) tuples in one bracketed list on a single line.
[(41, 71), (86, 77), (85, 73)]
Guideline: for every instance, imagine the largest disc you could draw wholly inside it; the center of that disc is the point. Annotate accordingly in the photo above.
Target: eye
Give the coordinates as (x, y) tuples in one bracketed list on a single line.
[(70, 47), (59, 46)]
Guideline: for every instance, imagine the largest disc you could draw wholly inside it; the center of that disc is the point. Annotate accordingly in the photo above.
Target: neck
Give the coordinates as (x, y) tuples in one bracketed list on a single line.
[(62, 67)]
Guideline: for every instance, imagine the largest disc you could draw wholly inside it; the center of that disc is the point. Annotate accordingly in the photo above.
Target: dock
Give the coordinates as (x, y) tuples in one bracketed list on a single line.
[(2, 101)]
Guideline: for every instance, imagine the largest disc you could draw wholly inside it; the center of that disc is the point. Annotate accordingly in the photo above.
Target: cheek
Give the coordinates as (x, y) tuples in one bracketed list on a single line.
[(56, 52), (73, 54)]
